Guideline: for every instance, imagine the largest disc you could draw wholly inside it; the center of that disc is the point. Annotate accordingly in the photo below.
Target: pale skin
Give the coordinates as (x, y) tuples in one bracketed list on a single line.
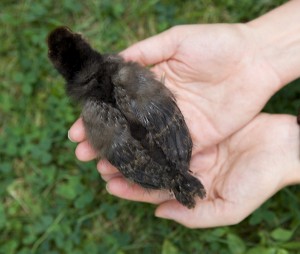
[(222, 76)]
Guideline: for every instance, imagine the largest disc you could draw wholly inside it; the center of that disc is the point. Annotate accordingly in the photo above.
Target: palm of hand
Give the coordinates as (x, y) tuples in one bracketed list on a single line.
[(246, 171), (216, 76), (239, 174)]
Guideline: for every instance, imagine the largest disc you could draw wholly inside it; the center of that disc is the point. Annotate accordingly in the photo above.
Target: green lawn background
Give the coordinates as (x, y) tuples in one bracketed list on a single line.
[(50, 202)]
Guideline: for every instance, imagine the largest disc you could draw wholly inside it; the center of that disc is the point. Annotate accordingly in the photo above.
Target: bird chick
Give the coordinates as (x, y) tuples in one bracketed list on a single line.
[(130, 118)]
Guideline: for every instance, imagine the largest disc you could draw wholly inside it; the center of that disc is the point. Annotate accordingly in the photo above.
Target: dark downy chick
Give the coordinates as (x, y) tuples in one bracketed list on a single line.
[(130, 118)]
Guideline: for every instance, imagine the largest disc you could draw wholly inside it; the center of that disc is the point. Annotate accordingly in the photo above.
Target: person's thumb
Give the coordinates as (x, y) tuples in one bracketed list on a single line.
[(151, 51)]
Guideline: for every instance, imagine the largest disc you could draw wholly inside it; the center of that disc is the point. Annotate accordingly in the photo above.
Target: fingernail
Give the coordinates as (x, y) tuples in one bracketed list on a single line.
[(161, 215), (107, 188), (70, 137)]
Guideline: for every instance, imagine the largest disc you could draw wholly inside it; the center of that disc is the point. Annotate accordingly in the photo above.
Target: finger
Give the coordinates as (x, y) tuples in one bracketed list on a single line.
[(105, 168), (76, 132), (121, 188), (153, 50), (84, 152), (206, 214), (108, 177)]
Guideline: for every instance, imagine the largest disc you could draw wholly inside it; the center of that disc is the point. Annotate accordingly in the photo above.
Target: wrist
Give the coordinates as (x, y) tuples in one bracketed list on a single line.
[(278, 38), (291, 153), (291, 174)]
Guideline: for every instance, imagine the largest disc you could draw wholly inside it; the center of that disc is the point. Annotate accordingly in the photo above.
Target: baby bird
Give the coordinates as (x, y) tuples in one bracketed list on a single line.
[(130, 118)]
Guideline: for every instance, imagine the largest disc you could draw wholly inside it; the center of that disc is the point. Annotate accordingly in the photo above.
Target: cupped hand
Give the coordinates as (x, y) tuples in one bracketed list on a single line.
[(239, 174), (217, 73)]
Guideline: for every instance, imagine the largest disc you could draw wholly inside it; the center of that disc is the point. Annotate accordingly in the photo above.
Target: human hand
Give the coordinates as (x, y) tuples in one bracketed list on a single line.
[(218, 76), (239, 174)]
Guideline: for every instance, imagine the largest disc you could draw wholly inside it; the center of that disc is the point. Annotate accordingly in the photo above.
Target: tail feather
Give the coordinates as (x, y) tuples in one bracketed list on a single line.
[(186, 188)]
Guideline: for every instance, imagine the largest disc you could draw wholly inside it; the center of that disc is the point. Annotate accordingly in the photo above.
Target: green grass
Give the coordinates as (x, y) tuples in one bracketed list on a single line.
[(50, 202)]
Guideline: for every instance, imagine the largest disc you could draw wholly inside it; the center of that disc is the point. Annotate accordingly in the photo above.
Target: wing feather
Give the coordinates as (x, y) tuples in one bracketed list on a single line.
[(108, 132)]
